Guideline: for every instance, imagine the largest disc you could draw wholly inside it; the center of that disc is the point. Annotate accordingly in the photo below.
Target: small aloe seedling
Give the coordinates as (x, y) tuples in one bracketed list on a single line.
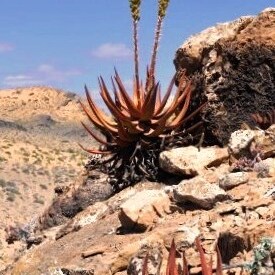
[(139, 126), (173, 269)]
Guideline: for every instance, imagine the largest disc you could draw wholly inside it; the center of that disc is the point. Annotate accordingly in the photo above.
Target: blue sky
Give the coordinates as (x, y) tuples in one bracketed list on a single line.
[(69, 43)]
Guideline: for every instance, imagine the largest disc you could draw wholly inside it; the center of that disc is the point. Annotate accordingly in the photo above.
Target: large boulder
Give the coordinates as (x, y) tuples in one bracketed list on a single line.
[(234, 68)]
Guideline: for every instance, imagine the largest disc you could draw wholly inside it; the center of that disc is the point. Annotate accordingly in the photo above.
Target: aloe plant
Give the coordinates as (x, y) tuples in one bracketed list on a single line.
[(142, 125), (264, 120), (172, 268)]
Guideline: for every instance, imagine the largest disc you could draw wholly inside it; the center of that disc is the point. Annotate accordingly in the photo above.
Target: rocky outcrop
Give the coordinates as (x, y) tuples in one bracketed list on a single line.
[(233, 64)]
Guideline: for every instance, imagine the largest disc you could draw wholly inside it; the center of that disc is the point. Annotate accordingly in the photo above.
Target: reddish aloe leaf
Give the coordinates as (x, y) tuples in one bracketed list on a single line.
[(124, 135), (101, 116), (166, 97), (171, 268), (145, 265), (149, 94), (92, 117), (184, 93), (264, 121), (116, 112), (271, 116), (162, 123), (128, 101), (158, 100), (120, 103), (257, 118), (195, 112), (206, 269), (178, 119), (93, 151), (150, 80), (100, 140), (184, 265), (149, 103), (179, 95), (219, 261), (184, 120), (157, 131), (133, 126), (96, 119), (142, 93), (177, 101)]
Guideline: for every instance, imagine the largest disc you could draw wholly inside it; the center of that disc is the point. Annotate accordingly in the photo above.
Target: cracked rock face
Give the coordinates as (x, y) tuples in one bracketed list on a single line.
[(233, 64)]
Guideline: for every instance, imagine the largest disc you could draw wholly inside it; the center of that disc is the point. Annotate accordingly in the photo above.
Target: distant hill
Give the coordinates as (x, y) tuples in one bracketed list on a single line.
[(39, 134)]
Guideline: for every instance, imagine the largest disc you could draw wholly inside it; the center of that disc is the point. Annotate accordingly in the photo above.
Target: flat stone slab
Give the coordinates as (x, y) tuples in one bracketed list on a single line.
[(199, 192), (191, 161)]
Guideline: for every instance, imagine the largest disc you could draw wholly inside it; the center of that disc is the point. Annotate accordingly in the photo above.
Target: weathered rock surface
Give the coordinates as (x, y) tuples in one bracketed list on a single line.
[(87, 216), (199, 192), (76, 198), (267, 142), (190, 161), (244, 142), (101, 248), (234, 64), (232, 180), (143, 209), (240, 142)]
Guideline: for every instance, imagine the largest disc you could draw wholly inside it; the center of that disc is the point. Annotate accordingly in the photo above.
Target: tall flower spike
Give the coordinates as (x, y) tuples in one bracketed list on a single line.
[(134, 6), (135, 11), (162, 7), (163, 4)]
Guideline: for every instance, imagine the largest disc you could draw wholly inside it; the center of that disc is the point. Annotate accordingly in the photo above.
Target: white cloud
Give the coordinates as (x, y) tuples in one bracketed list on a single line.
[(44, 74), (20, 80), (6, 47), (51, 73), (112, 50)]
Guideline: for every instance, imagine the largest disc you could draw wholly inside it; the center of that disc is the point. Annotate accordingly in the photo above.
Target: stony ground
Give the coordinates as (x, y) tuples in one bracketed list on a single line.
[(235, 209)]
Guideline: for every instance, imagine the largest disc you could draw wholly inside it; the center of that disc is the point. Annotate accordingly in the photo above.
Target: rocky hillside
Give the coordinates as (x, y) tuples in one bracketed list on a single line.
[(39, 134), (228, 199)]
